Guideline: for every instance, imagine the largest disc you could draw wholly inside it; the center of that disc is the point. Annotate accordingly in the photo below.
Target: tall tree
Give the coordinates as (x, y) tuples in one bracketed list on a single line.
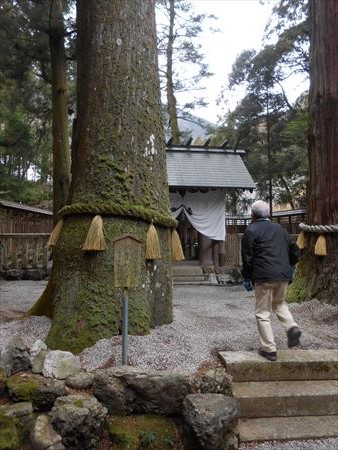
[(183, 67), (263, 109), (61, 148), (119, 173), (317, 275), (32, 39)]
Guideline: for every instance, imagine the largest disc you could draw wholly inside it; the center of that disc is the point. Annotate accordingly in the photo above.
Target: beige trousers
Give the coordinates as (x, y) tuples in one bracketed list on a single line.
[(270, 298)]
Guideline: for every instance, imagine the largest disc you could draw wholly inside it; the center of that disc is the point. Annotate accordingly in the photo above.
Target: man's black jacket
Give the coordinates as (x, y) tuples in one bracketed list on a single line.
[(268, 252)]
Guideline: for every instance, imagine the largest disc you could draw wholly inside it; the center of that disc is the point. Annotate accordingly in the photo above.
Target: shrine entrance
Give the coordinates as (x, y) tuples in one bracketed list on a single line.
[(189, 238)]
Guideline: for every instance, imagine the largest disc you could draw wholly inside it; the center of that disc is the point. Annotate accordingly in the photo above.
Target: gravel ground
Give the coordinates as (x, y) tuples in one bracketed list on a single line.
[(207, 319)]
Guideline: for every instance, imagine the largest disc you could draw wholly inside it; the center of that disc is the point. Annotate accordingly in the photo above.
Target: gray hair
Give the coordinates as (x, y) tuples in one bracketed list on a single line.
[(260, 209)]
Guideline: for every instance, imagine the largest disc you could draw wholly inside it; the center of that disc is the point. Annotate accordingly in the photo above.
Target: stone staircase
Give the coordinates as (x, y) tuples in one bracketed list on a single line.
[(189, 273), (294, 398)]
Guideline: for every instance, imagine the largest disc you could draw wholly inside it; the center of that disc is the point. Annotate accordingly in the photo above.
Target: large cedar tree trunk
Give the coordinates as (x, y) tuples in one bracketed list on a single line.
[(119, 172), (61, 151), (317, 276)]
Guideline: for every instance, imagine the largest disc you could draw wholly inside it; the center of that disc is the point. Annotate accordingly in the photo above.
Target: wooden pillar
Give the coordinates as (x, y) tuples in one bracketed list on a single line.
[(215, 253), (205, 251), (221, 246)]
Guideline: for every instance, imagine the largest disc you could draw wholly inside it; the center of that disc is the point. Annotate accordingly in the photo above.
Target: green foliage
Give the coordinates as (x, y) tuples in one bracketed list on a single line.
[(290, 25), (25, 98), (264, 123), (143, 432), (22, 388), (147, 438), (24, 142), (10, 437)]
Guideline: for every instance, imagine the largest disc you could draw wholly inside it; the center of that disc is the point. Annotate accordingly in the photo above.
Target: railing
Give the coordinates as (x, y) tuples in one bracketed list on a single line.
[(233, 248), (24, 251)]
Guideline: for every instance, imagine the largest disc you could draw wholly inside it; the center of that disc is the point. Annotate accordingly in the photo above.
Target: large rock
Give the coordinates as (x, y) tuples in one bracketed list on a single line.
[(43, 435), (38, 354), (42, 392), (13, 274), (129, 390), (14, 356), (208, 422), (15, 425), (17, 409), (34, 274), (213, 381), (115, 396), (59, 364), (79, 419), (81, 380)]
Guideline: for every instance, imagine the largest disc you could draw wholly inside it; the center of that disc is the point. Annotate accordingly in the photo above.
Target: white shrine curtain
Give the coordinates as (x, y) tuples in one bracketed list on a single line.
[(205, 211)]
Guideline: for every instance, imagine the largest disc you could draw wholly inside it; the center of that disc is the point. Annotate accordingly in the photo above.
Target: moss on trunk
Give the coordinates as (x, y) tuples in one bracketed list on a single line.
[(298, 290), (87, 305), (118, 159)]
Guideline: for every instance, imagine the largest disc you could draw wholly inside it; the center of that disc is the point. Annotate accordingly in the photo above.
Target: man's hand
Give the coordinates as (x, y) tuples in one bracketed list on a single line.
[(292, 273), (247, 284)]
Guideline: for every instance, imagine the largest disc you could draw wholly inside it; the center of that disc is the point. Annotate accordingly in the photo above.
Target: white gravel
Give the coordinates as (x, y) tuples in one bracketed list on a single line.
[(206, 319)]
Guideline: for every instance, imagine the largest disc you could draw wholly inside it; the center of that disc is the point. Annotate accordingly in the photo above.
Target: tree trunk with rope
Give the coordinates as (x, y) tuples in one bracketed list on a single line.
[(119, 174), (317, 275)]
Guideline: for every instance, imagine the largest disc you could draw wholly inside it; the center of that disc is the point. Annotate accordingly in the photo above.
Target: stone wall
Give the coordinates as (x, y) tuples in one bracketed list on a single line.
[(47, 402)]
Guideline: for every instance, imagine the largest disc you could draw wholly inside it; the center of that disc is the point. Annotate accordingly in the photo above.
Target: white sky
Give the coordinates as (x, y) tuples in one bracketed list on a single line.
[(241, 24)]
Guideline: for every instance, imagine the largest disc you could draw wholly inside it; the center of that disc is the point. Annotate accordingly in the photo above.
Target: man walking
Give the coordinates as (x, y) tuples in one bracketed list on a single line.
[(269, 254)]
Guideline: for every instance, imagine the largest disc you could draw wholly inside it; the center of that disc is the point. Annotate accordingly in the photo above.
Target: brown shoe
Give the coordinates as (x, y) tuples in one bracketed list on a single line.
[(271, 356), (293, 336)]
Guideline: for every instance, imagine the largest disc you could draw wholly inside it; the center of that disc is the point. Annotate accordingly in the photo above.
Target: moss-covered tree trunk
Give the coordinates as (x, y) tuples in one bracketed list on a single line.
[(119, 172), (317, 276), (61, 151)]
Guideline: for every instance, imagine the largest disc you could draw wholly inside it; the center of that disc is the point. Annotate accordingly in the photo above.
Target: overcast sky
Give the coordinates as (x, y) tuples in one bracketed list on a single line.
[(241, 24)]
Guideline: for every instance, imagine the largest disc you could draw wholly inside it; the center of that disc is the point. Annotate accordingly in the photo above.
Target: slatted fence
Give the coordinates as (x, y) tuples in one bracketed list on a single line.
[(24, 251)]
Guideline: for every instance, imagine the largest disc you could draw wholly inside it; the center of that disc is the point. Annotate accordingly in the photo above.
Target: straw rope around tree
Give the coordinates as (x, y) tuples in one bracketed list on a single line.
[(95, 240), (120, 209), (320, 246)]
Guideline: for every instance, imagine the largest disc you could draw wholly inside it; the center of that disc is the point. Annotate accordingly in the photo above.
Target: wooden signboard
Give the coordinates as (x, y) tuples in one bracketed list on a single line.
[(127, 261)]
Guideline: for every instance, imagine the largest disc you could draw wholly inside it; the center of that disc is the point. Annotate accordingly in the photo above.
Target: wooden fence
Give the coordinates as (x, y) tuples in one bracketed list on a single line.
[(24, 251), (233, 249), (30, 250)]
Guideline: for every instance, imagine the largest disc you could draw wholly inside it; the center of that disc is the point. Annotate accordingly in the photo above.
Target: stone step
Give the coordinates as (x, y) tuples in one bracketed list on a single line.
[(287, 428), (291, 365), (187, 272), (287, 398), (189, 278), (194, 283)]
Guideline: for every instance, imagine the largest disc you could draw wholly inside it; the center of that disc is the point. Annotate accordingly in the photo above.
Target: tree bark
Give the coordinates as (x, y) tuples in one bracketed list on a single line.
[(318, 275), (171, 99), (61, 150), (119, 172)]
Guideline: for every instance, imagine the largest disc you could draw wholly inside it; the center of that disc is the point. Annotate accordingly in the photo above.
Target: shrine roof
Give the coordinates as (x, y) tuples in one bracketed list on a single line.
[(212, 167)]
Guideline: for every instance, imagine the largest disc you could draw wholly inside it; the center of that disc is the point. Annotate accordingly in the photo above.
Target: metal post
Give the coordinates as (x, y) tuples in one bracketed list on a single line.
[(125, 327)]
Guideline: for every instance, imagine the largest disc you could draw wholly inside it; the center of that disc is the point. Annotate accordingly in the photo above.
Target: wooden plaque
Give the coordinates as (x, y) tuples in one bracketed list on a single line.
[(127, 261)]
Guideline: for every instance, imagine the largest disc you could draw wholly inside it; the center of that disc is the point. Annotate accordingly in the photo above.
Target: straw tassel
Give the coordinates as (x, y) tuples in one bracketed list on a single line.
[(176, 247), (53, 238), (152, 246), (95, 241), (320, 247), (301, 240)]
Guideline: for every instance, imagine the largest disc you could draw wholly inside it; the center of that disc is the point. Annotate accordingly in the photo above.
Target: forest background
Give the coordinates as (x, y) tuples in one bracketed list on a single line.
[(270, 127)]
